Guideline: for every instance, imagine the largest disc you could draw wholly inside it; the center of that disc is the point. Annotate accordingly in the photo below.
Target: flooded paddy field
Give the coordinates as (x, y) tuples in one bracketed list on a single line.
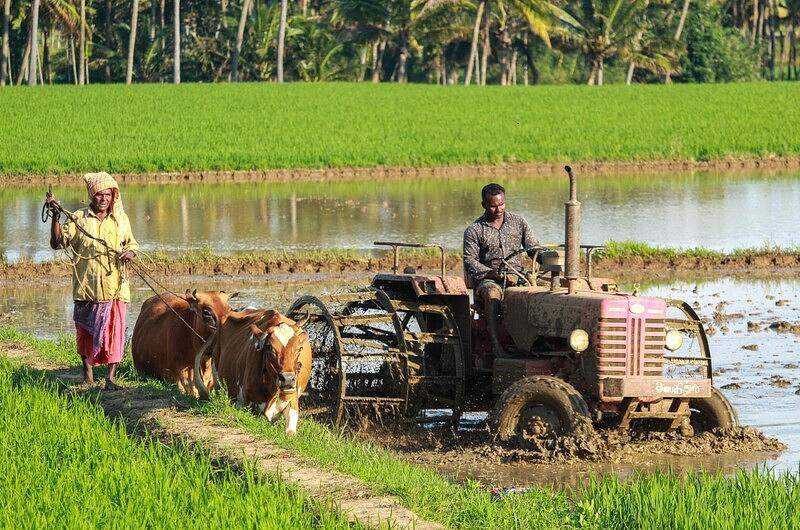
[(702, 209), (755, 346)]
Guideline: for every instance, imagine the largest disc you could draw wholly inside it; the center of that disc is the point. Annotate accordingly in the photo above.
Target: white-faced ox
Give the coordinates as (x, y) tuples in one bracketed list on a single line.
[(264, 360)]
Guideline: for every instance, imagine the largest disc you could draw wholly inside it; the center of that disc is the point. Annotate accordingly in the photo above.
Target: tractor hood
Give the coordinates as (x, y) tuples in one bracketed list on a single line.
[(530, 312)]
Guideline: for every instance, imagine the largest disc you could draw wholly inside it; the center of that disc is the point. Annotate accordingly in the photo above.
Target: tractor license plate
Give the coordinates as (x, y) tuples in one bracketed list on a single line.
[(659, 387)]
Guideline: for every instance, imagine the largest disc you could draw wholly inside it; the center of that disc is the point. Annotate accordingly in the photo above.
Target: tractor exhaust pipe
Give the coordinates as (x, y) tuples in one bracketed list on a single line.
[(572, 233)]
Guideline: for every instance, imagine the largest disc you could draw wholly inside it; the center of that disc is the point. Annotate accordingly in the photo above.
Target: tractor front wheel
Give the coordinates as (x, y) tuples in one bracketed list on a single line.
[(538, 407), (712, 412)]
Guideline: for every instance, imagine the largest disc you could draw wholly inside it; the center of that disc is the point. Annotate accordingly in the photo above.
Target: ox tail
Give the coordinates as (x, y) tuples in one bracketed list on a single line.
[(202, 389)]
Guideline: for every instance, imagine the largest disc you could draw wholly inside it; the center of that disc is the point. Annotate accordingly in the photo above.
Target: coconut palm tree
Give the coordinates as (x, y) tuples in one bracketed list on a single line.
[(237, 50), (34, 36), (282, 38), (5, 50), (132, 41), (601, 29), (176, 51)]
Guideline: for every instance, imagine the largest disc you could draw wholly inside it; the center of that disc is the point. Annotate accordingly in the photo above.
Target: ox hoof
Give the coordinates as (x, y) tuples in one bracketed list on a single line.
[(290, 433)]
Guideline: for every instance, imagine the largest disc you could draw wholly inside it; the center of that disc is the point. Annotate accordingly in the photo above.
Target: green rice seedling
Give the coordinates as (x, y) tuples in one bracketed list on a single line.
[(748, 500), (65, 465), (252, 126)]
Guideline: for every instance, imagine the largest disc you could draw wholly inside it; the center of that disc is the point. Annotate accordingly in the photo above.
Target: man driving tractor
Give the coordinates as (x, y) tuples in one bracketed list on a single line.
[(488, 240)]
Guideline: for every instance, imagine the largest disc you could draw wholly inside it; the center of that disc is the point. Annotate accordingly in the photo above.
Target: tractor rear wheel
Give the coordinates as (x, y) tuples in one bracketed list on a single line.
[(538, 407), (712, 412)]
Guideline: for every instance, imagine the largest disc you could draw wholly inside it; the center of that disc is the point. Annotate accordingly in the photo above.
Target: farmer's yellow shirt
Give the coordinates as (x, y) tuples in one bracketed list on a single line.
[(96, 276)]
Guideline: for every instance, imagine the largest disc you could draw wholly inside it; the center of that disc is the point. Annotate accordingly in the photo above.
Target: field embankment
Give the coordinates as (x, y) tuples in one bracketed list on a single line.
[(203, 129), (761, 499), (627, 260)]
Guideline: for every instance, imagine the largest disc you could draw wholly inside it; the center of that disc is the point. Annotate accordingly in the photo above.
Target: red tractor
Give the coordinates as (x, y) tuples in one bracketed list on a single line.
[(578, 351)]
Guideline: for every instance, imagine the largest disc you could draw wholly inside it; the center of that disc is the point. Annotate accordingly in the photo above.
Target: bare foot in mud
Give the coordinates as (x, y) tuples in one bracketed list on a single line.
[(111, 385)]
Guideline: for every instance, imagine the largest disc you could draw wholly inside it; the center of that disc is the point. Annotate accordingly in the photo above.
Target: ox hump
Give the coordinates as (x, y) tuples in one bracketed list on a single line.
[(283, 332)]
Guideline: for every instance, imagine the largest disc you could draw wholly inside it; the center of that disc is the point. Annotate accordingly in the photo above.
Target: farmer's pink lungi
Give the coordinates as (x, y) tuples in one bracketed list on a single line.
[(100, 330)]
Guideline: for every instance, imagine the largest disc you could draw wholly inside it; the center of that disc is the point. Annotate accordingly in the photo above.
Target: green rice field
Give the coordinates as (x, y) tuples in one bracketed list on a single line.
[(33, 415), (150, 128)]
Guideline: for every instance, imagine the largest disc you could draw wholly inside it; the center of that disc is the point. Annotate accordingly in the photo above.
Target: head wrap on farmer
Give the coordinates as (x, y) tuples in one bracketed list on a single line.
[(103, 181)]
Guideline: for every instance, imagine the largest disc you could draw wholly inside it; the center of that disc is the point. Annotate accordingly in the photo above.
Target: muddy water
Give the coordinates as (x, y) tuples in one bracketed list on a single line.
[(699, 209), (757, 367)]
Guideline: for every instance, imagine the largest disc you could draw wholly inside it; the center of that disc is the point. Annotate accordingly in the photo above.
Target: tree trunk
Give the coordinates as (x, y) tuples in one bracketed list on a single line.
[(682, 21), (33, 59), (377, 62), (473, 54), (47, 69), (600, 74), (513, 79), (785, 55), (162, 8), (5, 50), (486, 44), (374, 65), (527, 55), (282, 38), (629, 75), (593, 72), (22, 76), (362, 64), (132, 41), (74, 60), (304, 7), (505, 51), (109, 35), (239, 40), (153, 17), (82, 43), (402, 75), (176, 50), (444, 68), (793, 66)]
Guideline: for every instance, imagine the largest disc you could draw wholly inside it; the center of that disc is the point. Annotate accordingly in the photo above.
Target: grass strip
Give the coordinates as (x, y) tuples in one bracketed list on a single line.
[(66, 465), (251, 126), (343, 257), (758, 499)]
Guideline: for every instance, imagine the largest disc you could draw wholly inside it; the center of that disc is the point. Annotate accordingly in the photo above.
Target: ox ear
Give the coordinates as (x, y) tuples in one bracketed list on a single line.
[(304, 321)]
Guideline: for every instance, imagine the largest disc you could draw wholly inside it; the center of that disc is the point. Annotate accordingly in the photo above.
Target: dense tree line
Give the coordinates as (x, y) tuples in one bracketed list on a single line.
[(435, 41)]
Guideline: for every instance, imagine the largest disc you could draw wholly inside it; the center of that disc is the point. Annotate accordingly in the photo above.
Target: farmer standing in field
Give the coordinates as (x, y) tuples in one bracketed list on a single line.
[(101, 242), (489, 239)]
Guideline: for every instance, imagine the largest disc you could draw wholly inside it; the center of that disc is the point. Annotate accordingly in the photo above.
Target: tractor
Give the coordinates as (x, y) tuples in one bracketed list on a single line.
[(579, 352)]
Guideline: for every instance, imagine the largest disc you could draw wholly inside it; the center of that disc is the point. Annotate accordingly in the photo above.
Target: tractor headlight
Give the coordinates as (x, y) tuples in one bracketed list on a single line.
[(578, 340), (674, 340)]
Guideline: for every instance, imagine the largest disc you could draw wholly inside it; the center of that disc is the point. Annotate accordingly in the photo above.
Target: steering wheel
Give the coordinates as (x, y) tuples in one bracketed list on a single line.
[(506, 267)]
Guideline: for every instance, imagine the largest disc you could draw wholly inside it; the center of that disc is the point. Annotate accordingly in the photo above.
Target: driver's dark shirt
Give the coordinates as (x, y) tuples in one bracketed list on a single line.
[(485, 245)]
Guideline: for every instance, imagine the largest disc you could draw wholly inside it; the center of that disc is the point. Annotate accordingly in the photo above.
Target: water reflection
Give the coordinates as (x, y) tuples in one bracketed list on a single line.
[(718, 211)]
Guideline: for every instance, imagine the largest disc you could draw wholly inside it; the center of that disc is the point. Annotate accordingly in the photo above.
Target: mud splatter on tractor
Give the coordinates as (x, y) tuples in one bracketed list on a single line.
[(578, 351)]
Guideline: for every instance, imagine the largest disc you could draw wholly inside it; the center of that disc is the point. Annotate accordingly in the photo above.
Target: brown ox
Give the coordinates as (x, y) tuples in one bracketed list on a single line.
[(264, 360), (164, 347)]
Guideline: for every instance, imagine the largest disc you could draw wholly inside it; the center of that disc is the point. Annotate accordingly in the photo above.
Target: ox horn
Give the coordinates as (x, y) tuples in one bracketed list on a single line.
[(198, 377), (302, 323), (190, 297)]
